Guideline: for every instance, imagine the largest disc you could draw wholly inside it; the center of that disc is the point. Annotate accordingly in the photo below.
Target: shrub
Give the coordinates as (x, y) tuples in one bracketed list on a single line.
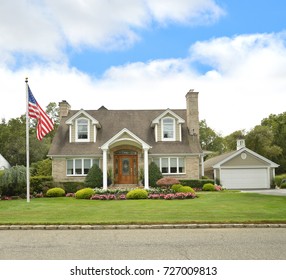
[(196, 183), (13, 181), (176, 187), (279, 178), (185, 189), (72, 187), (55, 192), (208, 187), (154, 174), (85, 193), (39, 182), (94, 177), (283, 186), (167, 182), (137, 194)]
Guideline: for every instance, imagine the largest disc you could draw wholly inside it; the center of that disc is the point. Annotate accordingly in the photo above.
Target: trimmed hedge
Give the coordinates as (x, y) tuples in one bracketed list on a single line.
[(196, 183), (85, 193), (137, 194), (55, 192)]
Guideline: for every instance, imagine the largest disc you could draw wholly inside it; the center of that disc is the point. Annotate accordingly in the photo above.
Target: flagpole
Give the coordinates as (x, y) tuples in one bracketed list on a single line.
[(27, 143)]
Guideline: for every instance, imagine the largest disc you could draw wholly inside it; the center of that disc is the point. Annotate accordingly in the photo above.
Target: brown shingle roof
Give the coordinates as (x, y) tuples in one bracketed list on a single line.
[(112, 122)]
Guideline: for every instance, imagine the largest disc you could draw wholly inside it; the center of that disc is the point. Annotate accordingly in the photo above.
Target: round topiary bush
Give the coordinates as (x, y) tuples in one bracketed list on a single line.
[(176, 187), (137, 194), (85, 193), (185, 189), (208, 187), (55, 192)]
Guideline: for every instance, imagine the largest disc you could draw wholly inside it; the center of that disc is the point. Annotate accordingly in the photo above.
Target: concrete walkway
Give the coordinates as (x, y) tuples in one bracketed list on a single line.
[(279, 192)]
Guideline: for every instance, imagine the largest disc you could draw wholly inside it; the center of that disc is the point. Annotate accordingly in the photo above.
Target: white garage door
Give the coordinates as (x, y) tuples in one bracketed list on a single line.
[(245, 178)]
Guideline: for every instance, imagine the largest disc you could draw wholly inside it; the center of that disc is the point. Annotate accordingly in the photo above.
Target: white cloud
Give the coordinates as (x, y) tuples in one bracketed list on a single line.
[(185, 11), (246, 83), (44, 28)]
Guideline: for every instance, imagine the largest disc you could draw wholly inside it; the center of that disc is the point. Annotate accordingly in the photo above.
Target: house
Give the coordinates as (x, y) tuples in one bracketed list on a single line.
[(4, 164), (241, 169), (124, 142)]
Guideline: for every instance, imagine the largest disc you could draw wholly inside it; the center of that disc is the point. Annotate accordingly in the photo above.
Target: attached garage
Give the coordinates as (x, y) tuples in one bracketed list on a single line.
[(241, 169)]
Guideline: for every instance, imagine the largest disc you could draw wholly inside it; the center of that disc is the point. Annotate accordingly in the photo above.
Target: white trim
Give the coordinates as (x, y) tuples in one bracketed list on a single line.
[(76, 130), (104, 167), (117, 138), (169, 165), (146, 169), (180, 132), (156, 132), (271, 163), (70, 133), (174, 129), (168, 111), (75, 116)]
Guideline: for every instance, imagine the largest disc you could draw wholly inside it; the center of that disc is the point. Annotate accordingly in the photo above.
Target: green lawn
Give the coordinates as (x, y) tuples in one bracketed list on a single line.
[(214, 207)]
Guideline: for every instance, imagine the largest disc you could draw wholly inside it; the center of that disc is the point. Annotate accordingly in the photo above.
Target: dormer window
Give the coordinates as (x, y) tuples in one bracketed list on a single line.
[(82, 129), (168, 129)]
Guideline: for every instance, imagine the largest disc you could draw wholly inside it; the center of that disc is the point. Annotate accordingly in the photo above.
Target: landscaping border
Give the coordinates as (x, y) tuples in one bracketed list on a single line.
[(155, 226)]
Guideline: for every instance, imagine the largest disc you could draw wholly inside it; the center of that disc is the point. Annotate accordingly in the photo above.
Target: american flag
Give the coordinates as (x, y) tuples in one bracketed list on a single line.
[(45, 123)]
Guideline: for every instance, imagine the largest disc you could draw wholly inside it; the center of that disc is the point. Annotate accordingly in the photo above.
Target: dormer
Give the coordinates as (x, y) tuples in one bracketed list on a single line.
[(82, 127), (168, 127)]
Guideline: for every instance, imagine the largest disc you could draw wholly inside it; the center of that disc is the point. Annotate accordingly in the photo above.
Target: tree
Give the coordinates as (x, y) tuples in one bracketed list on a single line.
[(260, 139), (231, 140), (94, 177), (277, 124), (13, 138), (154, 174), (210, 140)]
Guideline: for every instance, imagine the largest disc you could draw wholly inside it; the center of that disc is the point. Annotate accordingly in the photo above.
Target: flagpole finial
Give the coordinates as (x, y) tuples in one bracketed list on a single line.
[(26, 80)]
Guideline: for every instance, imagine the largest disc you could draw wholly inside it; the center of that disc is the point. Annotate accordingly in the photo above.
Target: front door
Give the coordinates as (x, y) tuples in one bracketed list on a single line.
[(126, 169)]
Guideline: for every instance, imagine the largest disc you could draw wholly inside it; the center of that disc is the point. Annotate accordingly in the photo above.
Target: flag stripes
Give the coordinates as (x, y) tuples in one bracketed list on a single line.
[(45, 123)]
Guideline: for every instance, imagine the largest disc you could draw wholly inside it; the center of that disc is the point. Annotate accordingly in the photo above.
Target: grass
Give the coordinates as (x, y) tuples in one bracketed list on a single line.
[(212, 207)]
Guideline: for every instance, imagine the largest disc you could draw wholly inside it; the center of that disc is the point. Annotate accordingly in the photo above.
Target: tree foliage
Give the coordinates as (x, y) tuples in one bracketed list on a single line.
[(210, 140), (154, 174), (13, 139), (13, 181)]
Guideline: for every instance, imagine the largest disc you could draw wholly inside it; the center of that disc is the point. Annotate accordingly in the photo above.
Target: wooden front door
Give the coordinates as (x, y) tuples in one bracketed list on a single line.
[(126, 169)]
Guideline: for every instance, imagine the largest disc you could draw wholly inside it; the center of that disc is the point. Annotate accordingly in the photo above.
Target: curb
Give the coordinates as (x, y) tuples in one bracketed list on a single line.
[(120, 227)]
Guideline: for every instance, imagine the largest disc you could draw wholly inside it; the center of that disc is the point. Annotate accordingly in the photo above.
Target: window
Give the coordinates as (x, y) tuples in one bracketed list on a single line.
[(171, 165), (82, 130), (168, 125), (80, 167)]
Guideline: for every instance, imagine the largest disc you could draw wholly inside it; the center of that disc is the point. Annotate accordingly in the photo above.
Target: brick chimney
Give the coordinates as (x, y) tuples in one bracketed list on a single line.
[(64, 108), (193, 112)]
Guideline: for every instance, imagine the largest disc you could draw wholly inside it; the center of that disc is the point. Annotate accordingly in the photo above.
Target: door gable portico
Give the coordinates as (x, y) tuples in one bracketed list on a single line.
[(127, 136), (127, 165)]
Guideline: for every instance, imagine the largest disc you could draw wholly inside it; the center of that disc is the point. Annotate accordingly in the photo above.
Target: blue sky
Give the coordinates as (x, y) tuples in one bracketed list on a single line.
[(145, 54)]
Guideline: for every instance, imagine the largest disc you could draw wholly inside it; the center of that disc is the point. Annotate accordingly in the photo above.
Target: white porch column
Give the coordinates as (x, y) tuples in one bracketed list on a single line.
[(202, 165), (146, 169), (104, 169)]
